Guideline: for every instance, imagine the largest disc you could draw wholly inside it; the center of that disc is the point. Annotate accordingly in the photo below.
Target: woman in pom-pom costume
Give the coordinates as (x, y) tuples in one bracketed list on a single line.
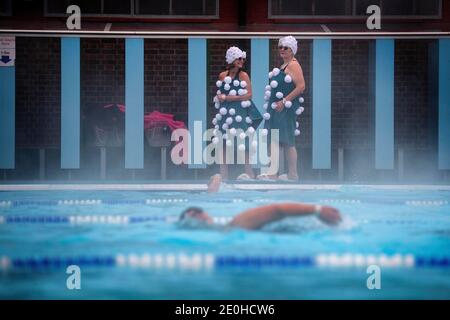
[(283, 104), (235, 110)]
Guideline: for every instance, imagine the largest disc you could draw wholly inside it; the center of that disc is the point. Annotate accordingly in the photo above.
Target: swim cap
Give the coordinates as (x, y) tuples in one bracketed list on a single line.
[(234, 53), (289, 42)]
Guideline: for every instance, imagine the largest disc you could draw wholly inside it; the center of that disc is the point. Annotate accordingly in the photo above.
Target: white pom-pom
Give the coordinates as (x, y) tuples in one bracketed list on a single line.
[(242, 136), (248, 120), (268, 88), (224, 126), (217, 105), (275, 71), (214, 121), (226, 86), (296, 124), (215, 99), (251, 130), (224, 136), (297, 132), (215, 140), (274, 84), (265, 106), (229, 143), (279, 95), (273, 105), (301, 100), (232, 111), (216, 126), (266, 116), (218, 83), (219, 92), (236, 83), (267, 93), (243, 83), (266, 98), (227, 79), (299, 111), (245, 91), (233, 92), (246, 104), (219, 116), (254, 144), (264, 132), (233, 131), (288, 104), (238, 118), (270, 74), (288, 79), (241, 92), (229, 120), (223, 111), (241, 147)]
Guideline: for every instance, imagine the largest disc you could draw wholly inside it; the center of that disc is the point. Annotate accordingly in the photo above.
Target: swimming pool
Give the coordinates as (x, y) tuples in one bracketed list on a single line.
[(128, 246)]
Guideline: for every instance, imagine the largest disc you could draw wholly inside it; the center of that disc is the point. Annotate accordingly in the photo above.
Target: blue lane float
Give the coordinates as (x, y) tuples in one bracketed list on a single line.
[(207, 261), (158, 201), (97, 219)]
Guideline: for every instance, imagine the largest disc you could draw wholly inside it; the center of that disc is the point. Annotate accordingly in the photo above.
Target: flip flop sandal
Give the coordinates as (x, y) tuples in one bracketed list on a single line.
[(285, 178), (244, 177), (265, 177)]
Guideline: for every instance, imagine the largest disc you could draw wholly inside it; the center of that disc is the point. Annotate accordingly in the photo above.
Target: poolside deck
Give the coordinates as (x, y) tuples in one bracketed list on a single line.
[(202, 186)]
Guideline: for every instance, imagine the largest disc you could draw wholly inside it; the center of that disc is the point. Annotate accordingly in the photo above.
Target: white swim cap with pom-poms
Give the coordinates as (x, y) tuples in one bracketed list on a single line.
[(289, 42), (234, 53)]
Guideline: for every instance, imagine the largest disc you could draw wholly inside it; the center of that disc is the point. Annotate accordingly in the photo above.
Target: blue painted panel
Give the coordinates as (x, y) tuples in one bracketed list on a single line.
[(384, 104), (197, 94), (7, 117), (259, 70), (260, 50), (70, 103), (134, 101), (321, 157), (444, 104)]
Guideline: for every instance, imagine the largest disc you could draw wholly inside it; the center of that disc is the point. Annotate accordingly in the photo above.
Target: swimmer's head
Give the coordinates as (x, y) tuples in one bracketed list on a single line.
[(196, 214)]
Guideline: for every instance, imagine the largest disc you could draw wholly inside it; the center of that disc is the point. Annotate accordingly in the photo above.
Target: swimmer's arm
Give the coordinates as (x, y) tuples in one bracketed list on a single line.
[(258, 217)]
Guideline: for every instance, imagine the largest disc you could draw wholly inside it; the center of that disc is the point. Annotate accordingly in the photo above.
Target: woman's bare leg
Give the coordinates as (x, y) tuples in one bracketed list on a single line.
[(248, 166), (224, 166), (291, 153), (273, 150)]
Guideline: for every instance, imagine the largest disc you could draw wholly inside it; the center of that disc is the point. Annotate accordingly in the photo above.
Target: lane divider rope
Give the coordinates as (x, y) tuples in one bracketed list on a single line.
[(91, 202), (98, 219), (211, 261)]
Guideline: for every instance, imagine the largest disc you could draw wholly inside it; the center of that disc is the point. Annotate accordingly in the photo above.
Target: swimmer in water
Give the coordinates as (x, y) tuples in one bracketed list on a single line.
[(256, 218)]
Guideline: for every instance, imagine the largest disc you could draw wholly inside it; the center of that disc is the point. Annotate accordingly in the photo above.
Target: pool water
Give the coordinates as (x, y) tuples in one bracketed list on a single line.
[(377, 221)]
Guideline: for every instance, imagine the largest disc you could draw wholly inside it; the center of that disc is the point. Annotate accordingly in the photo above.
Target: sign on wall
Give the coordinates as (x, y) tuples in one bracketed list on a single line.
[(7, 51)]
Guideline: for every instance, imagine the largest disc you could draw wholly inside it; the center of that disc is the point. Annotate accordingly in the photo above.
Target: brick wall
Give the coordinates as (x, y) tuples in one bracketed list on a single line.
[(102, 82), (102, 72), (349, 94), (38, 92), (166, 78), (412, 110)]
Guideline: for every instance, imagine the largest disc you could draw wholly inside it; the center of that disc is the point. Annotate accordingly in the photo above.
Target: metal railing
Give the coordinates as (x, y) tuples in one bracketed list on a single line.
[(222, 34)]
